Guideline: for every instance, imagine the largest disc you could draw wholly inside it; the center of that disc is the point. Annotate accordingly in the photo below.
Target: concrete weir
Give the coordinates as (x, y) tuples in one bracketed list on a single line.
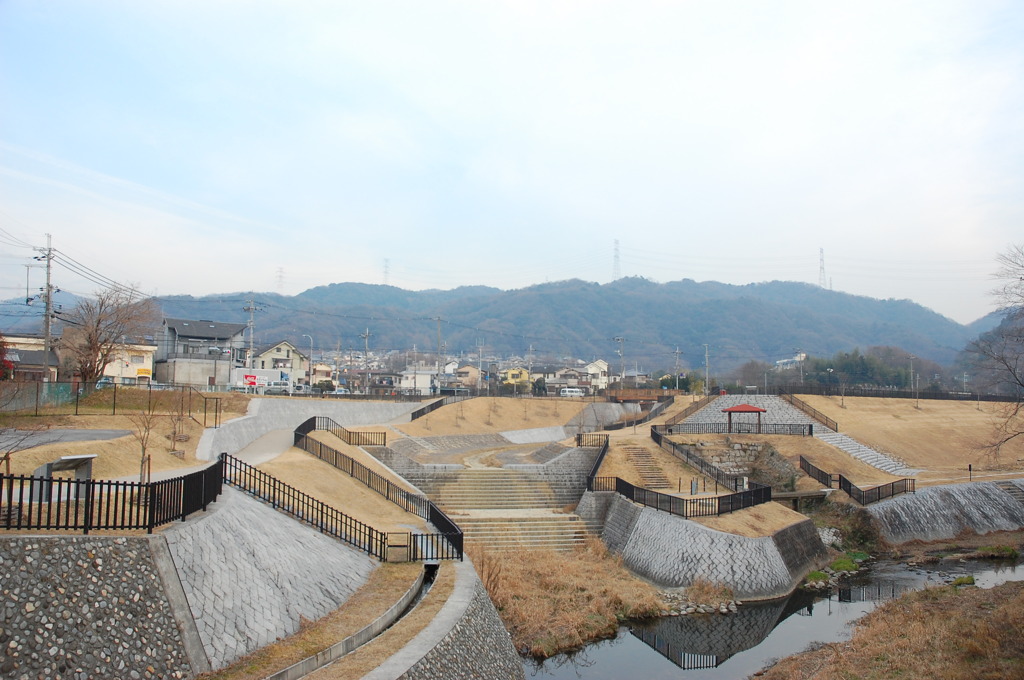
[(942, 512), (674, 552)]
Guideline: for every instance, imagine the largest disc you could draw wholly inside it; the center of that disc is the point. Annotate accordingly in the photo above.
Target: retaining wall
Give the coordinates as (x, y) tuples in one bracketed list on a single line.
[(942, 512), (674, 552), (267, 415), (93, 607)]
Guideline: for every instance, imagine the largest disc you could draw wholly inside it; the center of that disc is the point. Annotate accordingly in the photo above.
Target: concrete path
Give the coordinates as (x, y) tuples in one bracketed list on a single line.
[(26, 439)]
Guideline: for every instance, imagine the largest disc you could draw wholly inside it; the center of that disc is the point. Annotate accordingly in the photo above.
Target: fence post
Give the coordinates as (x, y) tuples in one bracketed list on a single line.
[(90, 497), (150, 490)]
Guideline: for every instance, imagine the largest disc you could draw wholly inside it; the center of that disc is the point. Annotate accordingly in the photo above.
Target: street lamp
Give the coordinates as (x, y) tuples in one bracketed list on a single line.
[(310, 378)]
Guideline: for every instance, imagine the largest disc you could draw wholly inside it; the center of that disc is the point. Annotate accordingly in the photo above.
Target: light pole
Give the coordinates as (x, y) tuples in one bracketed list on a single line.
[(829, 378), (310, 378)]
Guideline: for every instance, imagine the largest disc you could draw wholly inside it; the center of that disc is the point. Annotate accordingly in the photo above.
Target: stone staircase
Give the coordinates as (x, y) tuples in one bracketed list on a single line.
[(647, 467), (1013, 490), (863, 453), (500, 510)]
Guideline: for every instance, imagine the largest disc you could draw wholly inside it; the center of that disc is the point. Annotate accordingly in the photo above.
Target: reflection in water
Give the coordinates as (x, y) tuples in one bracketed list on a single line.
[(716, 646)]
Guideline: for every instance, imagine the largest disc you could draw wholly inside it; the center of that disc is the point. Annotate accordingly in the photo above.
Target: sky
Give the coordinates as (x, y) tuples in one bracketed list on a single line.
[(210, 147)]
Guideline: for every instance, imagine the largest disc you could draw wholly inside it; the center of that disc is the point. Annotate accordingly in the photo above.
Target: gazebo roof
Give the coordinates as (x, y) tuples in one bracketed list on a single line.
[(744, 408)]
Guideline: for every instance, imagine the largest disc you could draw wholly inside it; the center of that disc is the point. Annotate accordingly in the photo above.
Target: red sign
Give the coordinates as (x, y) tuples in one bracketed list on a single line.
[(249, 379)]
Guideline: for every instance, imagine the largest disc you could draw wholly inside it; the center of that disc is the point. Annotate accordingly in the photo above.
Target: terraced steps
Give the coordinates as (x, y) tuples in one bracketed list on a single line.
[(504, 532), (647, 467), (497, 489), (863, 453), (1013, 490)]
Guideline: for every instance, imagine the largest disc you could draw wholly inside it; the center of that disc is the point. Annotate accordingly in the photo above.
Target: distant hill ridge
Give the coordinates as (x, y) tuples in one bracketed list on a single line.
[(574, 318)]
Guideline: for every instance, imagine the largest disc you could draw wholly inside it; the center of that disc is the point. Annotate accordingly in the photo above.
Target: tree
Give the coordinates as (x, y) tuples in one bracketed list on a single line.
[(143, 422), (98, 327), (998, 356)]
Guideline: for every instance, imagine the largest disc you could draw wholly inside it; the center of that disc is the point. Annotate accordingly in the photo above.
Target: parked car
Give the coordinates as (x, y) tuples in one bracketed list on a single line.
[(278, 387), (105, 381)]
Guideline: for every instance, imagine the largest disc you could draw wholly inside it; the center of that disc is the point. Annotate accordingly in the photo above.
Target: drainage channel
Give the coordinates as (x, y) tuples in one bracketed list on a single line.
[(400, 609)]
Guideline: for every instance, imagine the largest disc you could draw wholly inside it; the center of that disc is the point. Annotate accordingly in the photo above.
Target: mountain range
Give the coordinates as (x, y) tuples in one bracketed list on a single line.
[(647, 322)]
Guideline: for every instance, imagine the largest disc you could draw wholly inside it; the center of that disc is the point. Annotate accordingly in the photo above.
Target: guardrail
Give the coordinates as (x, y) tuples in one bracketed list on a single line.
[(446, 544), (707, 506), (810, 410), (797, 429), (433, 406), (691, 409), (36, 503), (862, 496)]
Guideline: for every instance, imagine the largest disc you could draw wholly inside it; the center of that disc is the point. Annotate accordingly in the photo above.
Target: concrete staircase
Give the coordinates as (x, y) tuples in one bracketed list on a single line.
[(1013, 490), (647, 467), (863, 453), (500, 510)]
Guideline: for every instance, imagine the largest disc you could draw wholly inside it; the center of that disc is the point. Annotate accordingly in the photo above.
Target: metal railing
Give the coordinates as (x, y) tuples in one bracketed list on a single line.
[(37, 503), (810, 410), (691, 409), (446, 544), (796, 429), (659, 435), (707, 506), (433, 406), (862, 496)]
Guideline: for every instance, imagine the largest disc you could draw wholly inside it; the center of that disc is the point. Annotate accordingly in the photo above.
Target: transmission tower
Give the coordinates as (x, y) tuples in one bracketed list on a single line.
[(616, 273), (387, 271), (822, 279)]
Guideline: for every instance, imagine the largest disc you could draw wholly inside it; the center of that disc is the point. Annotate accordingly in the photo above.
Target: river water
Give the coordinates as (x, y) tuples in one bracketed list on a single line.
[(717, 647)]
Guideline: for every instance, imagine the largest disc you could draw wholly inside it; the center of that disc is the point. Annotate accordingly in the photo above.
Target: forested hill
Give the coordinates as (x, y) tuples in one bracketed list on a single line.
[(763, 322)]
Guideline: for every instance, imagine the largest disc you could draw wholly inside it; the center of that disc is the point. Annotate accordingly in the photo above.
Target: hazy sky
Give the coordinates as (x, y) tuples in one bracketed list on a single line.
[(209, 146)]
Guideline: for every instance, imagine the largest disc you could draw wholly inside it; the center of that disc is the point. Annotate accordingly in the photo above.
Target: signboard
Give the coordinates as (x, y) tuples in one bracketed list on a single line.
[(249, 380), (144, 371)]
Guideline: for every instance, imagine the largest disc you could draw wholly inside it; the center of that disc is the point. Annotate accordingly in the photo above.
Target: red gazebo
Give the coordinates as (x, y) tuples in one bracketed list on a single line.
[(745, 408)]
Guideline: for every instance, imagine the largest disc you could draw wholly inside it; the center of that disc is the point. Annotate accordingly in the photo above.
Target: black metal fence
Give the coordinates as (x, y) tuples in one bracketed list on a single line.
[(810, 410), (796, 429), (354, 438), (48, 503), (659, 435), (706, 506), (690, 410), (434, 405), (444, 545), (862, 496)]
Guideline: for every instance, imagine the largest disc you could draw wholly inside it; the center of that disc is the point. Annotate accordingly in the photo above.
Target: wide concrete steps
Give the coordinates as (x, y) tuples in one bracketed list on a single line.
[(554, 531), (498, 489), (863, 453)]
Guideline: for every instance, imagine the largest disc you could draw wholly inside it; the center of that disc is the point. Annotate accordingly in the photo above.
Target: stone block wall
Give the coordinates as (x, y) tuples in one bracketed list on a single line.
[(674, 552), (87, 607)]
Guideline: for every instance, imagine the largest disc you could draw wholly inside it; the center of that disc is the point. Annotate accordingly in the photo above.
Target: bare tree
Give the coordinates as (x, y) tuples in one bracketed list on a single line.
[(998, 356), (97, 328), (143, 421)]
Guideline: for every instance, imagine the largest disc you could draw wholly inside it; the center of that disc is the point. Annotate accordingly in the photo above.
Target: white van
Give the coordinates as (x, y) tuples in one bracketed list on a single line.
[(570, 392)]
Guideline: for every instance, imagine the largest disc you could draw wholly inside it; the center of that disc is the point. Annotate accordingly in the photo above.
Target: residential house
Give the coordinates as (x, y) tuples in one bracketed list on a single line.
[(598, 372), (284, 357), (26, 354), (468, 377), (199, 352), (419, 379)]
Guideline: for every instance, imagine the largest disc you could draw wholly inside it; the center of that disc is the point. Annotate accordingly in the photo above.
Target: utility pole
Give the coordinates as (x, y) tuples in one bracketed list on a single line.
[(480, 359), (47, 255), (439, 350), (366, 359), (250, 306), (622, 362), (707, 372), (677, 353)]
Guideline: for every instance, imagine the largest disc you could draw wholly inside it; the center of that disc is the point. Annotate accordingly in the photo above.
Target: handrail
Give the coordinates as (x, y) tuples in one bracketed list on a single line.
[(810, 410), (423, 546), (797, 429), (434, 405), (691, 409), (592, 440), (729, 481), (708, 506), (862, 496)]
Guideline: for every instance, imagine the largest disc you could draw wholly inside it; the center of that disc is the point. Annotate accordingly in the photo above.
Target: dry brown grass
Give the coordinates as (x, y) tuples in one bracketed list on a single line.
[(385, 586), (760, 520), (486, 415), (941, 437), (553, 602), (703, 591), (337, 489), (966, 634)]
